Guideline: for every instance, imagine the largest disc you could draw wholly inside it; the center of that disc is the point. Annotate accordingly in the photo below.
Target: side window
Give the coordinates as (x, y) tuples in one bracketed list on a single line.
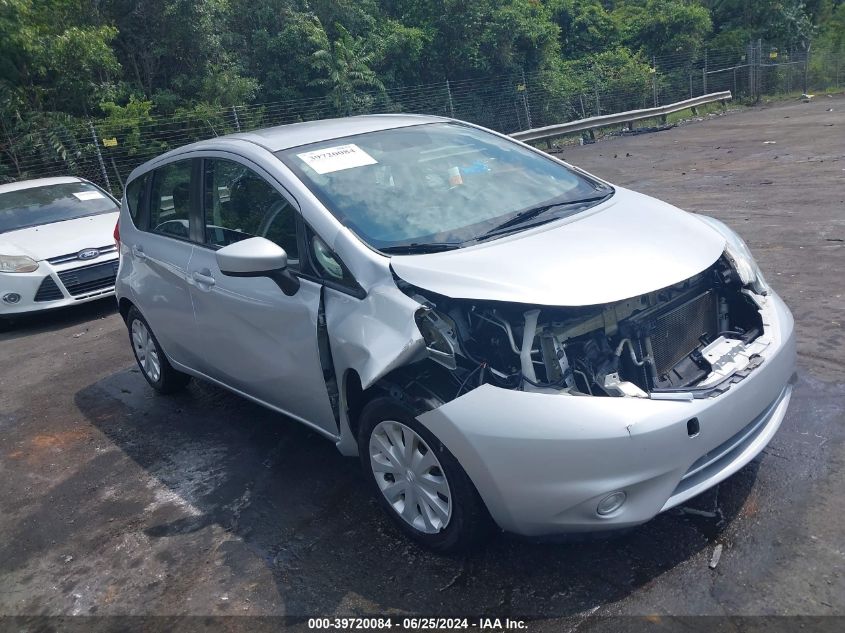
[(240, 204), (170, 200), (134, 191)]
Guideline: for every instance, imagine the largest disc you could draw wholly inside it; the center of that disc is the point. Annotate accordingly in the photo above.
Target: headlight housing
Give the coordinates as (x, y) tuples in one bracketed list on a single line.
[(17, 264), (740, 256), (438, 331)]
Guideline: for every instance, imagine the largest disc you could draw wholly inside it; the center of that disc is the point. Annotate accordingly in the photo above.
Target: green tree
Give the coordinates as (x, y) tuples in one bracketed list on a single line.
[(664, 27), (344, 66)]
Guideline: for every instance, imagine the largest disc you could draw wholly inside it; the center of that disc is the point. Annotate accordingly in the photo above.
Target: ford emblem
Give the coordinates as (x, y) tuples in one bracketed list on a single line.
[(88, 253)]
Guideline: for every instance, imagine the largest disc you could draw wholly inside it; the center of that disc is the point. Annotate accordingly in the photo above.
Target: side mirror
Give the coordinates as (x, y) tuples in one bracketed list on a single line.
[(258, 257)]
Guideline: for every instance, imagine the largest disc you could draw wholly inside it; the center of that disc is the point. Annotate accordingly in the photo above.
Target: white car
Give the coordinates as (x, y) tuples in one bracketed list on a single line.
[(56, 244), (497, 334)]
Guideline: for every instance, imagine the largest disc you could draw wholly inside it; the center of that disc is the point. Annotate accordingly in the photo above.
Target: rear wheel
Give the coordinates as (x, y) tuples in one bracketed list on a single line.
[(417, 481), (151, 360)]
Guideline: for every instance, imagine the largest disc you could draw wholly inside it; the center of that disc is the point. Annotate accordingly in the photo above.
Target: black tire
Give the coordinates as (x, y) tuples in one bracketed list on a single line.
[(169, 380), (469, 524)]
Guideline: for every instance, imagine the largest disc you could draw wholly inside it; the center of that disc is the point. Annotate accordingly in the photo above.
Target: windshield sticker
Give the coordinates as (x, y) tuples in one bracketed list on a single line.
[(330, 159), (88, 195)]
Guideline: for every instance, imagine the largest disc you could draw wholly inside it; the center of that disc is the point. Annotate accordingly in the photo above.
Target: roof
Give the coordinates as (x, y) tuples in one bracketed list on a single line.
[(38, 182), (282, 137), (296, 134)]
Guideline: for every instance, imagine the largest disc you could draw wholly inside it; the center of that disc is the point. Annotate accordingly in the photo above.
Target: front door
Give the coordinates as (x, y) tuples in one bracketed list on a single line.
[(255, 338)]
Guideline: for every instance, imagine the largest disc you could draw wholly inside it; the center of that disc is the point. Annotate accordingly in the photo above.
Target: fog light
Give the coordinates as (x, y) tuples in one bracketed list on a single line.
[(12, 297), (611, 503)]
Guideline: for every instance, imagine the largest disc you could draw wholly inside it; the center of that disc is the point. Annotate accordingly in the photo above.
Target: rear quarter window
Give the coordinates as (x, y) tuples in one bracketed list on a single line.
[(134, 198)]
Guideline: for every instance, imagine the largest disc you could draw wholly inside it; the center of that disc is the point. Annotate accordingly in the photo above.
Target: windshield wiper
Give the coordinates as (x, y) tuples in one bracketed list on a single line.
[(529, 214), (420, 248)]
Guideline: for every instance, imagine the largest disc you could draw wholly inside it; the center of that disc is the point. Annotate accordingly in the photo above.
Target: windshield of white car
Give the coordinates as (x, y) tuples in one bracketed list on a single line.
[(442, 185), (35, 206)]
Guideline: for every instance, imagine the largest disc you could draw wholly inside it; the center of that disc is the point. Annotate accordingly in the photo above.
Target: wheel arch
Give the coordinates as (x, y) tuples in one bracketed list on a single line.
[(123, 306)]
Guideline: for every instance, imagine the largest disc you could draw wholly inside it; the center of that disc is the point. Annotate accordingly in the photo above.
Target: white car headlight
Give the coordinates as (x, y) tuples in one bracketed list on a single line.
[(740, 256), (17, 264)]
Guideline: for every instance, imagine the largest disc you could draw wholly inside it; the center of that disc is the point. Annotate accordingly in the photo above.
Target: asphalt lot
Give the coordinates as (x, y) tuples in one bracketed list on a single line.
[(116, 501)]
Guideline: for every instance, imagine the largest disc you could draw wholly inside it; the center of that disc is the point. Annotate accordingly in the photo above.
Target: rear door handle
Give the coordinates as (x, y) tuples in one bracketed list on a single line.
[(205, 280), (138, 252)]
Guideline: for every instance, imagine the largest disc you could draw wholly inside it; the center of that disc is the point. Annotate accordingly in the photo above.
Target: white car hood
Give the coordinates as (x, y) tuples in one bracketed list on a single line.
[(60, 238), (630, 245)]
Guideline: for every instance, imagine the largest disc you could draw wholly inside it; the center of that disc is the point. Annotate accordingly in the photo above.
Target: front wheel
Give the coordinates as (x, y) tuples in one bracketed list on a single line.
[(417, 481), (151, 360)]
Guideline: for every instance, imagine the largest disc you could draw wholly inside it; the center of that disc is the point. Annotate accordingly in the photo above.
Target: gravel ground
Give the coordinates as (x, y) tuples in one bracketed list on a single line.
[(116, 501)]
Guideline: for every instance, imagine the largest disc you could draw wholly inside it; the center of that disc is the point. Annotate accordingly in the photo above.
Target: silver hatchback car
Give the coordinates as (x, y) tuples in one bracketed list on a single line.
[(502, 338)]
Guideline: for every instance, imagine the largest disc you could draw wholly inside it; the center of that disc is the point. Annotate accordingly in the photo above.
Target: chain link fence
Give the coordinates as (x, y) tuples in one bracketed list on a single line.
[(105, 151)]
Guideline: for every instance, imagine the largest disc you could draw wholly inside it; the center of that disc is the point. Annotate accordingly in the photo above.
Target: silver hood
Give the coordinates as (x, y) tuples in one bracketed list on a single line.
[(630, 245)]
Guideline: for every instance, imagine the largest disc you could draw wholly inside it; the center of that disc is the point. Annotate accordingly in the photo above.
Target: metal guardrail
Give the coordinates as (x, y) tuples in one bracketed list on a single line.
[(591, 123)]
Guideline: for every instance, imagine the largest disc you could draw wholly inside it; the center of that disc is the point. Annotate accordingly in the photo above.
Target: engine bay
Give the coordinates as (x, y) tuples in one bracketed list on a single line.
[(662, 342)]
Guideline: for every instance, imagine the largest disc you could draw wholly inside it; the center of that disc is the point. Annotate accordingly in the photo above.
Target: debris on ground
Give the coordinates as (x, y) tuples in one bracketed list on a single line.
[(769, 142), (717, 554), (697, 512)]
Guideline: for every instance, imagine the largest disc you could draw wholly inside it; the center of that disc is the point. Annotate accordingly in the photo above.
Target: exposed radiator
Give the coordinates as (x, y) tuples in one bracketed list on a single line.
[(679, 331)]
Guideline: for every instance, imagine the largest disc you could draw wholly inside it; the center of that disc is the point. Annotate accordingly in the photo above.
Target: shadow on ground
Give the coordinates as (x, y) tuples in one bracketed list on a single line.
[(277, 493), (16, 327)]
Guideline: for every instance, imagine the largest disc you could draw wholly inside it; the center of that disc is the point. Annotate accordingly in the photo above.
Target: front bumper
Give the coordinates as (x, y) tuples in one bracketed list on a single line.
[(58, 285), (542, 462)]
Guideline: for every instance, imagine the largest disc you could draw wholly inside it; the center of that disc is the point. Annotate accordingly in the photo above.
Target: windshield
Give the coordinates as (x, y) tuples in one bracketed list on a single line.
[(51, 203), (439, 184)]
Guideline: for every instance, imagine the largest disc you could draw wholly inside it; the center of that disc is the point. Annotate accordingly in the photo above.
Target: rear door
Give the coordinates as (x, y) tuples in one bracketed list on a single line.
[(256, 339), (159, 252)]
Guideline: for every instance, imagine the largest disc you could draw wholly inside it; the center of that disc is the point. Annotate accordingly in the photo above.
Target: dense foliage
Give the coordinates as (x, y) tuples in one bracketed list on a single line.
[(125, 61)]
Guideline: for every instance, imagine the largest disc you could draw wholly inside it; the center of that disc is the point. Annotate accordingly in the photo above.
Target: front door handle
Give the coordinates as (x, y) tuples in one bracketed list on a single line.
[(203, 280), (138, 252)]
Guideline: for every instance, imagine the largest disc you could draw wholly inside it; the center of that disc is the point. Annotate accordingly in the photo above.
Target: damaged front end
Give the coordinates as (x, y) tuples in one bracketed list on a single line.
[(689, 340)]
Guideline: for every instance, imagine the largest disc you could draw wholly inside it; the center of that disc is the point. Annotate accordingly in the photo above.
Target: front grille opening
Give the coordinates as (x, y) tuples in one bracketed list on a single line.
[(48, 291), (87, 279)]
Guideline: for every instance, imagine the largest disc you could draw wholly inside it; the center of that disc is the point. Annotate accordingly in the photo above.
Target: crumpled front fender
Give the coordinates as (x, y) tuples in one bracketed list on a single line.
[(372, 336)]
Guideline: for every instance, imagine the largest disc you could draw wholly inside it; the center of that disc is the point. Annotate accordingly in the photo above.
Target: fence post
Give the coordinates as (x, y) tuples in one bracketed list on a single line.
[(584, 112), (749, 57), (525, 100), (690, 85), (704, 75), (759, 73), (237, 121), (100, 156), (451, 105), (654, 80), (807, 67), (598, 105), (734, 82)]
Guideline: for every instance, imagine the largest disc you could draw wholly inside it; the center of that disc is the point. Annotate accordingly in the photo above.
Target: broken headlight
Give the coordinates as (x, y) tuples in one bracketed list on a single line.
[(438, 332), (740, 256)]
